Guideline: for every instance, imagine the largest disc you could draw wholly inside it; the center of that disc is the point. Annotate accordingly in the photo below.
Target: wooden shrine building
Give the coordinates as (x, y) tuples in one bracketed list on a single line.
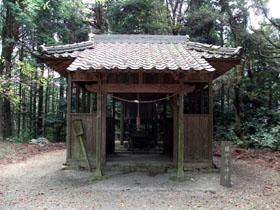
[(140, 98)]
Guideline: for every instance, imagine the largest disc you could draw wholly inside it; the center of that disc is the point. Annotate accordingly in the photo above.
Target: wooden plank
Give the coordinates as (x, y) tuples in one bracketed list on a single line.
[(79, 131), (68, 117), (88, 121), (181, 128), (197, 137), (141, 88)]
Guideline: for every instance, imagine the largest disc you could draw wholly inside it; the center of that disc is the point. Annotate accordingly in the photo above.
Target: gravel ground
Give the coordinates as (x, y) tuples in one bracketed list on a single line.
[(40, 183)]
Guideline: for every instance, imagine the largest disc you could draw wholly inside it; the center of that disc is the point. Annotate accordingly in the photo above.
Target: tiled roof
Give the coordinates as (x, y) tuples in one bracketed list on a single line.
[(213, 51), (66, 51), (144, 52), (145, 56)]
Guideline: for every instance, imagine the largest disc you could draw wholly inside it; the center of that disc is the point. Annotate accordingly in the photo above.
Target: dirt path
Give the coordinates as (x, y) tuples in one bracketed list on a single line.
[(39, 183)]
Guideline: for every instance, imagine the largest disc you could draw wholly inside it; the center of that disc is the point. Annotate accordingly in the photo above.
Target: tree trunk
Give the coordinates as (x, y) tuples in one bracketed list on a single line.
[(9, 36), (30, 108), (34, 107), (23, 110), (270, 95), (20, 95), (53, 94), (1, 120), (237, 102), (46, 103), (40, 108)]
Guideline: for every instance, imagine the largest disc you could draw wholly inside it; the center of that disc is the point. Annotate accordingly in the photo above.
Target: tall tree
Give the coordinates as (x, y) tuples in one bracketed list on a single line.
[(9, 36)]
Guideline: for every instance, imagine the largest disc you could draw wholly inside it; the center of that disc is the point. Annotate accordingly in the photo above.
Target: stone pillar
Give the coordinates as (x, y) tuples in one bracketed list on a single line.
[(225, 176)]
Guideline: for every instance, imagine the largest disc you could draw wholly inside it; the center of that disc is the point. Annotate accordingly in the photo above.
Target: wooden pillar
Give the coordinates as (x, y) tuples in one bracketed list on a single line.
[(122, 123), (68, 117), (78, 101), (210, 132), (98, 137), (175, 129), (181, 127), (103, 127)]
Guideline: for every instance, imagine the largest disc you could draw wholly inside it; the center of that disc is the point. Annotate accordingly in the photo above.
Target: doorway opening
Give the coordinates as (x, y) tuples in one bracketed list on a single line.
[(139, 127)]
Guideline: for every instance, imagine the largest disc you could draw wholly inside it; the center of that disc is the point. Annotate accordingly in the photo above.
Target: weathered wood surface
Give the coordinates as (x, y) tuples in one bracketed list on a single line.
[(225, 173), (147, 78), (68, 117), (98, 132), (79, 131), (175, 129), (181, 140), (140, 88), (103, 128), (88, 121), (197, 143), (210, 119)]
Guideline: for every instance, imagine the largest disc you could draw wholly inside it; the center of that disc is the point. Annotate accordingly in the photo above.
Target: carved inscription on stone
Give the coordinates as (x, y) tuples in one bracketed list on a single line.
[(225, 176)]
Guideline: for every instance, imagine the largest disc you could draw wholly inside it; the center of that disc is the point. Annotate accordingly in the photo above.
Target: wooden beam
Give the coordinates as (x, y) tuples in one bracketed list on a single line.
[(198, 77), (141, 88), (181, 127), (68, 117), (84, 76)]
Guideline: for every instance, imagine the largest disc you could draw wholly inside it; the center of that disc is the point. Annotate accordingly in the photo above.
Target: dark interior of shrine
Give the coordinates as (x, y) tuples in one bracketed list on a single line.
[(139, 124)]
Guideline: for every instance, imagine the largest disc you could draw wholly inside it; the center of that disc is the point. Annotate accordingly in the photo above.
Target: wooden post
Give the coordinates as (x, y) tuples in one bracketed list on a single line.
[(68, 117), (103, 127), (210, 132), (98, 137), (175, 129), (122, 123), (181, 127)]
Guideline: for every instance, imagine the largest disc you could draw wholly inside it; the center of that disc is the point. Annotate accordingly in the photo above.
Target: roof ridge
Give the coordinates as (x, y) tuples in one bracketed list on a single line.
[(66, 47), (213, 49)]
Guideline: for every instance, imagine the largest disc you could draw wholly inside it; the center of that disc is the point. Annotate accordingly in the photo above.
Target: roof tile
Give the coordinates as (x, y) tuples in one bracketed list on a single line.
[(146, 52)]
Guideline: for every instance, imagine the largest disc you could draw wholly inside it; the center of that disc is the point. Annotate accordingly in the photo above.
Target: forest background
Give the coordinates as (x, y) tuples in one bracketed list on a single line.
[(246, 99)]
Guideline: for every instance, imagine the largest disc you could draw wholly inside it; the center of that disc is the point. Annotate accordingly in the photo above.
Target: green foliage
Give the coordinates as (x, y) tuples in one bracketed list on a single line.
[(260, 112), (201, 24), (137, 17), (23, 137), (67, 22)]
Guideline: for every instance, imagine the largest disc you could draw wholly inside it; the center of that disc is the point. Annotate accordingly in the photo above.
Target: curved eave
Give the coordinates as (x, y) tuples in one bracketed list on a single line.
[(223, 65)]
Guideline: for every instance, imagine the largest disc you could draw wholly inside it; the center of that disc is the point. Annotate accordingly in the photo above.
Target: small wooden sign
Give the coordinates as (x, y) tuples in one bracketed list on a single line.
[(225, 174), (78, 127)]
